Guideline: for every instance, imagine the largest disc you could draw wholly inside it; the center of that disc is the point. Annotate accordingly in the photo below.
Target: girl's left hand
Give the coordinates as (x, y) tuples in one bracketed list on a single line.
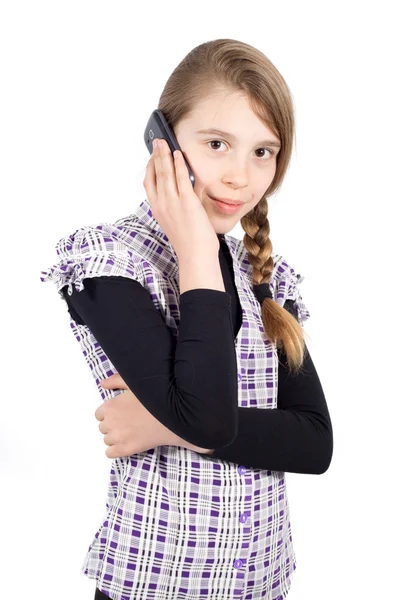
[(129, 427)]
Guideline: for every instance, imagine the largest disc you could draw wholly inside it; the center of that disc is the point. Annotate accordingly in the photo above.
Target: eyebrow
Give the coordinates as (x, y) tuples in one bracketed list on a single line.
[(232, 137)]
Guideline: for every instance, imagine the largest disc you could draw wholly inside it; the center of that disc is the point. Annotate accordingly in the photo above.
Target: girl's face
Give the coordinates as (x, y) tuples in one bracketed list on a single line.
[(238, 163)]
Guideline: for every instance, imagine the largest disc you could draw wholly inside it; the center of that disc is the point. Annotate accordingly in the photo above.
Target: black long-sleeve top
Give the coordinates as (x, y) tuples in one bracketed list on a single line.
[(189, 384)]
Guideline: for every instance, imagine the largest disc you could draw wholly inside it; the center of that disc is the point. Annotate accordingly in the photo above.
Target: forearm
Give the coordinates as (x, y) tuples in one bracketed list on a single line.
[(196, 272), (294, 441)]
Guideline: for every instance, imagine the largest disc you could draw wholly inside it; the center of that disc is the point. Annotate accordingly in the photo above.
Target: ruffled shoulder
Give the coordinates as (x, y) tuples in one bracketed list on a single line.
[(92, 251), (285, 283)]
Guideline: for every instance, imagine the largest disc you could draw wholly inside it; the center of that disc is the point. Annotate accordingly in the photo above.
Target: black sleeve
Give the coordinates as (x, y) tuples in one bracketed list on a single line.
[(188, 383), (296, 436)]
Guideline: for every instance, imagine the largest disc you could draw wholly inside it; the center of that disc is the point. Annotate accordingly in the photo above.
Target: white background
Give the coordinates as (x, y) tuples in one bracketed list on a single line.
[(79, 81)]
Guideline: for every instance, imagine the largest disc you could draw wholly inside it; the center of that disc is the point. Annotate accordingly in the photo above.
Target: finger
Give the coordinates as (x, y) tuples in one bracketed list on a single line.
[(102, 427), (167, 189), (184, 185), (115, 381), (112, 453), (115, 451), (99, 414), (110, 378), (109, 440), (150, 183)]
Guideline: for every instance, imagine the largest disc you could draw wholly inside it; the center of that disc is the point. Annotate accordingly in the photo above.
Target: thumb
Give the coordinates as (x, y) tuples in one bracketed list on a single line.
[(115, 381)]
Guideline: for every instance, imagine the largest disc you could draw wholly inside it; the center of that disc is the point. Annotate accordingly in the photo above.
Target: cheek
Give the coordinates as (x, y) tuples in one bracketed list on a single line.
[(203, 183), (199, 190), (262, 186), (202, 174)]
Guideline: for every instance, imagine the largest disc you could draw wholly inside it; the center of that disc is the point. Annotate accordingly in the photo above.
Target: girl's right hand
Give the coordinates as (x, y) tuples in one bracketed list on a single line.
[(175, 205), (115, 382)]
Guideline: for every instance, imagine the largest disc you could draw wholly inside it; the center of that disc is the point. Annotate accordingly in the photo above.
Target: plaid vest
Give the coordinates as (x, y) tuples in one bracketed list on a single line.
[(177, 525)]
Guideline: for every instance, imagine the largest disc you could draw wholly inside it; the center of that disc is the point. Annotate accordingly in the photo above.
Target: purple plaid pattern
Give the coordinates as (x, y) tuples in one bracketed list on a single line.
[(178, 526)]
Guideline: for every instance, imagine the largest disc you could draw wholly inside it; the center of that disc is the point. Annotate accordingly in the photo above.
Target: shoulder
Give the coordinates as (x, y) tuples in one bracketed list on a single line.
[(286, 282), (96, 250), (94, 239)]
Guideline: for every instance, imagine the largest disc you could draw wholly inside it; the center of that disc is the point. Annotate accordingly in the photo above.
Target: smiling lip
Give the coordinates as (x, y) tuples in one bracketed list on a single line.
[(227, 201), (226, 209)]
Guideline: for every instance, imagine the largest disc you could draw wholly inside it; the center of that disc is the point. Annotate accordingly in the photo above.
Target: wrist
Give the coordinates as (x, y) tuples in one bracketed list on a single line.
[(200, 272), (172, 439)]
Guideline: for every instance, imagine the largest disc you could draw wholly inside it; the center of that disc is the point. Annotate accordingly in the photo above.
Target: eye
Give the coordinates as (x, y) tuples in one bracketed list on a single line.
[(271, 152), (216, 142)]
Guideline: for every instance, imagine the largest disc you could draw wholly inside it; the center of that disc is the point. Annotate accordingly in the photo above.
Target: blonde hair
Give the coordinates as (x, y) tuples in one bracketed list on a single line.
[(226, 64)]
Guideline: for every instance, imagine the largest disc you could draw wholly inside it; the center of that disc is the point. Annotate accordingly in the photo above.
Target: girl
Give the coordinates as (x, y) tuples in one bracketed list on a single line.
[(188, 332)]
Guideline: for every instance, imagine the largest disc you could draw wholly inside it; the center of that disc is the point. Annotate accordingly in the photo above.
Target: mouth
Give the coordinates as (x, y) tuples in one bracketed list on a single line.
[(227, 201), (224, 208)]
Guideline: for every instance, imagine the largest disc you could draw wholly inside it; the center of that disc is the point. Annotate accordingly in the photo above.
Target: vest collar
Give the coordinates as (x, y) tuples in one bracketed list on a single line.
[(144, 214)]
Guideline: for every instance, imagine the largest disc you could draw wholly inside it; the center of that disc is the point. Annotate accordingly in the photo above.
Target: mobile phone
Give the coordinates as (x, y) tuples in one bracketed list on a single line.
[(158, 127)]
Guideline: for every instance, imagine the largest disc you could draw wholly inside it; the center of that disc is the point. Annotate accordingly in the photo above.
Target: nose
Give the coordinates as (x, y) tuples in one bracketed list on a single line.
[(237, 179), (237, 176)]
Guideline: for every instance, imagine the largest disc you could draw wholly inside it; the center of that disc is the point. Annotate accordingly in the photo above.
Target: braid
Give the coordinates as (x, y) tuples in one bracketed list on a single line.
[(257, 242), (280, 326)]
